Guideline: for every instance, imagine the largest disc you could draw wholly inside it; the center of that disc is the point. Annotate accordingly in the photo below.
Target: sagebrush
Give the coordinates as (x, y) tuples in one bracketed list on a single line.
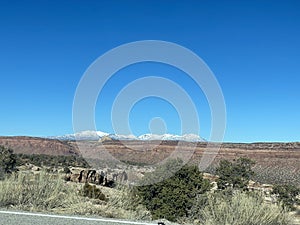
[(239, 209)]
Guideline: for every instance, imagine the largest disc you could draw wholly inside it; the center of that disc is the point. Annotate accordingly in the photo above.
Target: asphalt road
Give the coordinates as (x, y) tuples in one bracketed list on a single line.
[(24, 218)]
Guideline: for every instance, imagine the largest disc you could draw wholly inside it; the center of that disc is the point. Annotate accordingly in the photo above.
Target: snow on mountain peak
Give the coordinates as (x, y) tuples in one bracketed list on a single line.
[(96, 135), (185, 137)]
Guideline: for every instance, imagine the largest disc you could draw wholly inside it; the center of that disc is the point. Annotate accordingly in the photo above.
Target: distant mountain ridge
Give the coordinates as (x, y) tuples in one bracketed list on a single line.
[(274, 160), (97, 135)]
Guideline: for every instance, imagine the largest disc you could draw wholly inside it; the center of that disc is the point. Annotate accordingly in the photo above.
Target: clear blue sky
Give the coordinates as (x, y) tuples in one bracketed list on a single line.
[(253, 48)]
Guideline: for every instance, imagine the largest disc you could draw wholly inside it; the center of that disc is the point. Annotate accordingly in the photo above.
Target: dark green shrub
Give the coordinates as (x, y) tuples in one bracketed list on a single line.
[(7, 161), (52, 160), (92, 191), (67, 170), (287, 195), (235, 174), (173, 197)]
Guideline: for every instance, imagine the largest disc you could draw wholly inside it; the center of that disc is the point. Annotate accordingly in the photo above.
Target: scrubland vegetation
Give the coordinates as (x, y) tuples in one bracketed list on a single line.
[(36, 192), (45, 192), (185, 198), (239, 209), (276, 175), (51, 160)]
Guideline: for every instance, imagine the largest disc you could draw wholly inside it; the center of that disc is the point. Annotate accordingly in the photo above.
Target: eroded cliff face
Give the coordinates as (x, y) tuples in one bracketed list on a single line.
[(33, 145)]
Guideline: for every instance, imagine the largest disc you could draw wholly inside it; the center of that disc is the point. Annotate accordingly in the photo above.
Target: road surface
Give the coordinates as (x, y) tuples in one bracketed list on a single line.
[(25, 218)]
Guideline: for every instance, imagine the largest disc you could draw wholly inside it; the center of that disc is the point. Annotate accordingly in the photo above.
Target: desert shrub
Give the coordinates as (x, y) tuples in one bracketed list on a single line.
[(173, 197), (7, 161), (234, 174), (48, 192), (126, 198), (121, 203), (36, 192), (134, 163), (67, 170), (52, 160), (92, 191), (239, 209), (277, 174), (287, 195)]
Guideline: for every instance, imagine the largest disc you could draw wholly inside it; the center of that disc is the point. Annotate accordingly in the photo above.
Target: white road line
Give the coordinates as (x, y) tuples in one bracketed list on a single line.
[(75, 218)]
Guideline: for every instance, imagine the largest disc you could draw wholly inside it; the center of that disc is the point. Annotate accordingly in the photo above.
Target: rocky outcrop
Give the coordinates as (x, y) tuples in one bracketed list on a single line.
[(106, 178)]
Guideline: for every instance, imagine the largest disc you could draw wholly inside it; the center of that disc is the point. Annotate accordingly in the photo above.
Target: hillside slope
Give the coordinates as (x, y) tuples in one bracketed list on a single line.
[(34, 145)]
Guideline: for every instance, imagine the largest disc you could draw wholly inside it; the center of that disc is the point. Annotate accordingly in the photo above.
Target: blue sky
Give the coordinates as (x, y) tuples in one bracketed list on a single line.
[(253, 48)]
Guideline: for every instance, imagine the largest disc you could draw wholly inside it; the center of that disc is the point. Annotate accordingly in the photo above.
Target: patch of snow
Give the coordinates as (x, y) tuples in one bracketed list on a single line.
[(96, 135)]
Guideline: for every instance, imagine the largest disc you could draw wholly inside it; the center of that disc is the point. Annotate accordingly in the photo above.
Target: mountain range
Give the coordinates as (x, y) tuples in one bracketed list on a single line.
[(97, 135)]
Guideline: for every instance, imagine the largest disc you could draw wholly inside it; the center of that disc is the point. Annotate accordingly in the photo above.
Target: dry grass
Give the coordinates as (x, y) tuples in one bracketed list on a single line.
[(122, 203), (241, 209), (45, 192), (48, 192), (41, 192)]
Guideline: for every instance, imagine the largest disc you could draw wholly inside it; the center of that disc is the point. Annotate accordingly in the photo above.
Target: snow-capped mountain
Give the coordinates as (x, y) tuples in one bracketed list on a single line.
[(96, 135), (122, 137), (83, 135), (174, 137)]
